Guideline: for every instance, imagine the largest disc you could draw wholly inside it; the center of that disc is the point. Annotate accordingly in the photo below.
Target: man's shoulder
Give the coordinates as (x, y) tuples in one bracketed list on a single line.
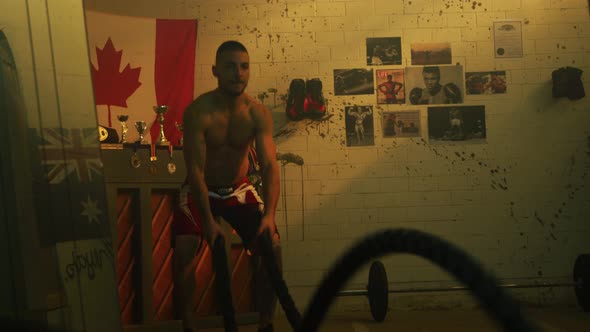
[(205, 99), (260, 114), (255, 107), (202, 103)]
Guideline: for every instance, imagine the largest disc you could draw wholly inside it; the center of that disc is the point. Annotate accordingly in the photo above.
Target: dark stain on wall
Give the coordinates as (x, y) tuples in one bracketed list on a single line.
[(462, 4)]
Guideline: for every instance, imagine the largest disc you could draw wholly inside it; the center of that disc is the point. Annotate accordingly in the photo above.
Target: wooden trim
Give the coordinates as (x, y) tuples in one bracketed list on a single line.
[(217, 321), (145, 234), (155, 326), (112, 194)]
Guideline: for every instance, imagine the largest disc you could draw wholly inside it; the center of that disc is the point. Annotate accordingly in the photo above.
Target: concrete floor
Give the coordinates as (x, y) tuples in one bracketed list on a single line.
[(549, 320)]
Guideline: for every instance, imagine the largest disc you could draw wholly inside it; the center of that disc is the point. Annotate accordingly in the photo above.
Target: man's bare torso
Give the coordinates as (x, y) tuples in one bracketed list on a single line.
[(229, 133)]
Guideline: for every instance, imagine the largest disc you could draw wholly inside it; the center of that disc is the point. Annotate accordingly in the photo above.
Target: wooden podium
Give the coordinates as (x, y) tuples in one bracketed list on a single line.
[(141, 204)]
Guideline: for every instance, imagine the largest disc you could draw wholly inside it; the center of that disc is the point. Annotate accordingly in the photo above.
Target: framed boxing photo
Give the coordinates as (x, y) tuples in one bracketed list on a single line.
[(431, 85), (356, 81), (485, 83), (390, 86), (457, 124), (401, 124), (384, 51)]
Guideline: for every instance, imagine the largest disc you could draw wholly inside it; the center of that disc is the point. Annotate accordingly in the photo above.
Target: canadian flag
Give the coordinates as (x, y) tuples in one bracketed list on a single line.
[(139, 63)]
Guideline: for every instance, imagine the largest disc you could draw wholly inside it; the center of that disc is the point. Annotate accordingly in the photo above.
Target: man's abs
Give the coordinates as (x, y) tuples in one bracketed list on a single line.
[(226, 166), (228, 139)]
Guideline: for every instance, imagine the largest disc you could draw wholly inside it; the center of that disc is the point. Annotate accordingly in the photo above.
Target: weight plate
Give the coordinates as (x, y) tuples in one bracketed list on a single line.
[(378, 291), (582, 274)]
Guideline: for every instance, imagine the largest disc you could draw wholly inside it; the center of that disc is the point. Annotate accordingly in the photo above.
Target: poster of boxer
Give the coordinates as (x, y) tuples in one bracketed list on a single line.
[(485, 83), (390, 86), (384, 51), (430, 85), (401, 124), (457, 124), (357, 81)]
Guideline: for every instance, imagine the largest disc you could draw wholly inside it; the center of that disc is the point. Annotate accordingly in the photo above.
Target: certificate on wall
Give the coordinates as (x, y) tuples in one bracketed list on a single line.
[(508, 39)]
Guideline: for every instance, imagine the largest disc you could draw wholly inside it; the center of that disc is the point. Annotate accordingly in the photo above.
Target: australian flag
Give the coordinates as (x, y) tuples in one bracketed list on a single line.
[(68, 184)]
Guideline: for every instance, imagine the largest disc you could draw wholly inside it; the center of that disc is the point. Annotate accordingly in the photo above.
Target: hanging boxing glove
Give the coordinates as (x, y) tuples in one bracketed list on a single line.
[(315, 107), (296, 100), (575, 87)]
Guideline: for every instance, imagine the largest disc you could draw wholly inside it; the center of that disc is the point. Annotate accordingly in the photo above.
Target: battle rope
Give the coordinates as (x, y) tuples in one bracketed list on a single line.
[(278, 283), (223, 286), (483, 285), (455, 261)]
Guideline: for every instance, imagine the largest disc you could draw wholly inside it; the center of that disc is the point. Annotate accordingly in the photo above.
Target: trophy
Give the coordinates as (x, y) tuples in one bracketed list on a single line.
[(122, 118), (140, 126), (161, 110), (179, 127)]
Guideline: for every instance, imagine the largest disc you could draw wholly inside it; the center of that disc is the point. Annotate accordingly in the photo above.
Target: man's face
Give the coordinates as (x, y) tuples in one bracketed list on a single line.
[(232, 70), (431, 80)]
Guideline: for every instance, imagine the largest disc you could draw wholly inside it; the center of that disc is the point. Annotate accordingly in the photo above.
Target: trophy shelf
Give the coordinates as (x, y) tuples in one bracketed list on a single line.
[(117, 163)]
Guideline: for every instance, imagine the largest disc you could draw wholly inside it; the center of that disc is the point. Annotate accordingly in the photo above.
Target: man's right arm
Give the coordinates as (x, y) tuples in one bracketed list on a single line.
[(195, 150)]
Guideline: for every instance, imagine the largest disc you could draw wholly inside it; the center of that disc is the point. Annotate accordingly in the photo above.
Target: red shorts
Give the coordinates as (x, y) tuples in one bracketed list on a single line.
[(239, 205)]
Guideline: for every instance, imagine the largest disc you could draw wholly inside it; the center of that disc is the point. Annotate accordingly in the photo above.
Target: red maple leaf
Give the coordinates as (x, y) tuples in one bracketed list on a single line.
[(112, 87)]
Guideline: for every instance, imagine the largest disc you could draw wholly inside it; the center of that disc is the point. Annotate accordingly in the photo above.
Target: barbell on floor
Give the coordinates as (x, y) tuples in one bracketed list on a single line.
[(378, 287)]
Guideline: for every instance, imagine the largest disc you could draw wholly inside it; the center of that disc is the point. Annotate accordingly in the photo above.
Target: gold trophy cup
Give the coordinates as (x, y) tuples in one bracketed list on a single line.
[(141, 127), (123, 118), (160, 111)]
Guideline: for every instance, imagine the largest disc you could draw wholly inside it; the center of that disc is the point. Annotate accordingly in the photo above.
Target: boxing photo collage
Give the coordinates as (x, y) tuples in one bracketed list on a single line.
[(431, 80)]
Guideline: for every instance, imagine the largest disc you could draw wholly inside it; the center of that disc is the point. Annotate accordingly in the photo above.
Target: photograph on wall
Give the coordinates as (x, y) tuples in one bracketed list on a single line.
[(430, 85), (457, 124), (401, 124), (384, 51), (359, 126), (431, 54), (508, 39), (485, 82), (357, 81), (390, 86)]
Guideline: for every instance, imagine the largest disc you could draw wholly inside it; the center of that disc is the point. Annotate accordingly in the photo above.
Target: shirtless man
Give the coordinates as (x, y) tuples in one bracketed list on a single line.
[(220, 126)]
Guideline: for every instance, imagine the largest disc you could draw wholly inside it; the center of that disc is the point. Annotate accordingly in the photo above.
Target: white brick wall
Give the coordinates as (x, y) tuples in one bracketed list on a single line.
[(330, 9), (451, 190)]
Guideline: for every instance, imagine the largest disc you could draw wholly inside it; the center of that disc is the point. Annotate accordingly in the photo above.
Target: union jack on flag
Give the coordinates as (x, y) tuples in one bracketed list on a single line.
[(70, 150), (69, 184)]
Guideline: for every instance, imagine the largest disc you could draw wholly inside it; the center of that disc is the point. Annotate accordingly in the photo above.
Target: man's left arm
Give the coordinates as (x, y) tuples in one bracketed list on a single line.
[(266, 151)]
